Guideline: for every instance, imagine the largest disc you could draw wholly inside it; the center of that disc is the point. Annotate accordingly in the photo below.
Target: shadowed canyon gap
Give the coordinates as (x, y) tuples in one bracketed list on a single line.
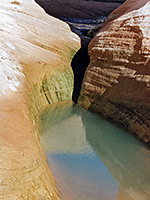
[(81, 16)]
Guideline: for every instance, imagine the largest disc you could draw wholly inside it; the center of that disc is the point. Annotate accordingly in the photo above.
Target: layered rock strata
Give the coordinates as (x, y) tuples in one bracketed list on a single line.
[(35, 70), (116, 82)]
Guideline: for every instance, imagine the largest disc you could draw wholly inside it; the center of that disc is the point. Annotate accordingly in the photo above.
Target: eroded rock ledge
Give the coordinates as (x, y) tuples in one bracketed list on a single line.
[(35, 70), (116, 82)]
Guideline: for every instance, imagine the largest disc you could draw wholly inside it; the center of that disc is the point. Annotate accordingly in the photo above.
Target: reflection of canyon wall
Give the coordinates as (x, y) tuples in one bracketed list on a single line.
[(116, 82), (35, 69), (126, 158), (53, 125), (122, 195)]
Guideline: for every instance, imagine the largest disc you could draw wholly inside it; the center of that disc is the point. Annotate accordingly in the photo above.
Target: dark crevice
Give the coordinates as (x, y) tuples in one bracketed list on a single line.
[(79, 64), (83, 17)]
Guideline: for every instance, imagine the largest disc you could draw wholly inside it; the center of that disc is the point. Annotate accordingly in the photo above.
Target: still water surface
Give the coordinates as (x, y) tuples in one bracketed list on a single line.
[(90, 158)]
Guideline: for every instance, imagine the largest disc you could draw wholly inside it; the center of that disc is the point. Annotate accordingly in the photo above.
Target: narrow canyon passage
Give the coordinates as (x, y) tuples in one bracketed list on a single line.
[(89, 158), (92, 159), (82, 16)]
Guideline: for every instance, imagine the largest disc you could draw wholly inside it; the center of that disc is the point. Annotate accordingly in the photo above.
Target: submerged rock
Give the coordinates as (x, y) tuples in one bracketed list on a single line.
[(116, 82)]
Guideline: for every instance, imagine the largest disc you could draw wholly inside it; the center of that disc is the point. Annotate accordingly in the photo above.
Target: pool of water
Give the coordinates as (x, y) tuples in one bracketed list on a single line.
[(92, 159)]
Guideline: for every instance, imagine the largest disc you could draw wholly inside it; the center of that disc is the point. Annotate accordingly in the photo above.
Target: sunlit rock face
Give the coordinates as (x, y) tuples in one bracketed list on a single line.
[(38, 45), (116, 83), (35, 70)]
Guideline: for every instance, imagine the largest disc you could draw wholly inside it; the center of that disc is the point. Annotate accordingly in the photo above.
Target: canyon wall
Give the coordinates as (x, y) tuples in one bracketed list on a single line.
[(78, 9), (116, 82), (82, 16), (35, 55)]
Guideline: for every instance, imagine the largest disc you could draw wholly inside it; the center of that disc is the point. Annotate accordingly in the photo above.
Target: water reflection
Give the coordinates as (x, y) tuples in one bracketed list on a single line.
[(92, 159), (127, 159)]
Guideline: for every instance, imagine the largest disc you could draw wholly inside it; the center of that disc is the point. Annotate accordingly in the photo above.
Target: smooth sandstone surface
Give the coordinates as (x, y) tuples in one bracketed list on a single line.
[(117, 81), (34, 51)]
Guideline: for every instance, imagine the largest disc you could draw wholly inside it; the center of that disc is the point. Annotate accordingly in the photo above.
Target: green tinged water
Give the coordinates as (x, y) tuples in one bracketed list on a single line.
[(90, 158)]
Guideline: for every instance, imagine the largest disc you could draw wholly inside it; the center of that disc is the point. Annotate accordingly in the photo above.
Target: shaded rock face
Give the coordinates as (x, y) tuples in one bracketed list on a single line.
[(80, 15), (78, 9), (118, 1), (116, 82)]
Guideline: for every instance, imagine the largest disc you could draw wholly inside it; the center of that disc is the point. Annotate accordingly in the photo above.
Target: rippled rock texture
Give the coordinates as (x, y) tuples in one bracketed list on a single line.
[(117, 81), (35, 70)]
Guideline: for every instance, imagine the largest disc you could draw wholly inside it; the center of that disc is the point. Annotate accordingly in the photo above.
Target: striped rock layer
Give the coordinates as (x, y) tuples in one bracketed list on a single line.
[(117, 81)]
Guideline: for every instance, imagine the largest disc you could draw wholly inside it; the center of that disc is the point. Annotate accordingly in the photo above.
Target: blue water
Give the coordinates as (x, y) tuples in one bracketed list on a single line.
[(90, 158)]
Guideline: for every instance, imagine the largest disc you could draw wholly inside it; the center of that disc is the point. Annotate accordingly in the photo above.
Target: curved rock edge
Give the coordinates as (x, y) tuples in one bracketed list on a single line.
[(35, 49)]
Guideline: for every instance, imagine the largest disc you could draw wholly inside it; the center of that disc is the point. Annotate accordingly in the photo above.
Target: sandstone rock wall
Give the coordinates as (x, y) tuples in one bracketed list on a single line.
[(116, 82), (34, 51)]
